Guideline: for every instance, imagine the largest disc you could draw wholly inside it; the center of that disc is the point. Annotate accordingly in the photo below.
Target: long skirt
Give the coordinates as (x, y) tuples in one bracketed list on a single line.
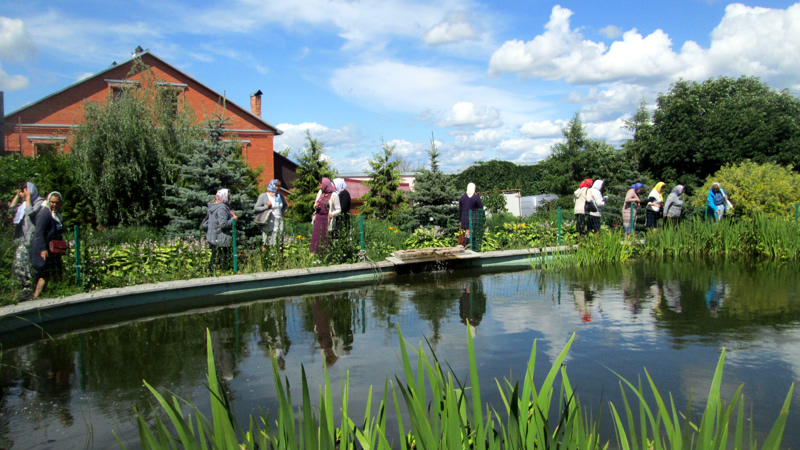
[(272, 231), (628, 216), (22, 268), (319, 236), (593, 223), (580, 224), (651, 220)]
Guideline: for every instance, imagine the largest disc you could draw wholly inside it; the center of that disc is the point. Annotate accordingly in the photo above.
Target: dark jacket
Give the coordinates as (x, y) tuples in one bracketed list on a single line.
[(465, 205), (47, 229), (218, 220)]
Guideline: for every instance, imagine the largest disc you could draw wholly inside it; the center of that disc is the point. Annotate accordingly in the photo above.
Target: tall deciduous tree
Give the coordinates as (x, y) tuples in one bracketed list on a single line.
[(126, 149), (311, 168), (699, 127), (213, 165), (384, 198), (434, 200)]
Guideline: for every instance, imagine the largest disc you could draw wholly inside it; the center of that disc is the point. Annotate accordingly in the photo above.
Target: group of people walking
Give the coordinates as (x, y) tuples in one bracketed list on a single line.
[(38, 233), (589, 202), (331, 218)]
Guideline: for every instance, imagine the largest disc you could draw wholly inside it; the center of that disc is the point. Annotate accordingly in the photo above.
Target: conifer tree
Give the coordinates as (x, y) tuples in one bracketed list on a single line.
[(215, 164), (384, 198), (312, 167), (434, 200)]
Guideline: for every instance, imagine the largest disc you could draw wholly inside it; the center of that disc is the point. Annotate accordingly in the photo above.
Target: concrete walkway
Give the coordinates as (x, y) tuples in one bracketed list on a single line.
[(58, 314)]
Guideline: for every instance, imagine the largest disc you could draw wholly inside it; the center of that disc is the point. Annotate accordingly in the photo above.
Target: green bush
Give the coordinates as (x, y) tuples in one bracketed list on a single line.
[(756, 188)]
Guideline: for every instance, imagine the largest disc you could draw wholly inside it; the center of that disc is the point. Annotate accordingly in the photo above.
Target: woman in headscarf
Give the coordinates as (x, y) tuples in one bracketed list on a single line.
[(343, 219), (716, 202), (326, 202), (24, 222), (271, 207), (674, 205), (598, 201), (582, 195), (632, 201), (654, 203), (46, 264), (218, 221), (470, 201)]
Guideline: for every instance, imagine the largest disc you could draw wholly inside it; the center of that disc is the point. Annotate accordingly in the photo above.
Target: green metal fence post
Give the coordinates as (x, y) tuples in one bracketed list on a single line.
[(705, 217), (559, 225), (361, 222), (77, 257), (471, 234), (235, 258), (796, 211), (633, 218)]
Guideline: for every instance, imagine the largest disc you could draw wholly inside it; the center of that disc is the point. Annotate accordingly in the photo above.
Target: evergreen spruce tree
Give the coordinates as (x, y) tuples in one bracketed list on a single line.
[(384, 198), (215, 164), (434, 200), (312, 167)]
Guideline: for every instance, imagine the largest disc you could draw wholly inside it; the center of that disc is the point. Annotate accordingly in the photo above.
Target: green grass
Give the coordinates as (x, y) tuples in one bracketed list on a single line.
[(445, 413)]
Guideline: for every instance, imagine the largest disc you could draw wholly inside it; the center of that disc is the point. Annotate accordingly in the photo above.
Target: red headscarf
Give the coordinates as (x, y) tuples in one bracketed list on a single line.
[(587, 183)]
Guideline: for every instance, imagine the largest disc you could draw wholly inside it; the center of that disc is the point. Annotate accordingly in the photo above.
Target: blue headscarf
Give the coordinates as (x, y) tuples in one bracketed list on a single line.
[(273, 185), (637, 186)]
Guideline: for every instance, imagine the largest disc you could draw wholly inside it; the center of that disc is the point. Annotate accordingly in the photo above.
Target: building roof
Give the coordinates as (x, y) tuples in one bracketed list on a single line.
[(139, 55)]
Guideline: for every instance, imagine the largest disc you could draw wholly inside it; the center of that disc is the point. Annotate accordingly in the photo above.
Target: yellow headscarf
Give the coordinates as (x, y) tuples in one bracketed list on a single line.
[(659, 186)]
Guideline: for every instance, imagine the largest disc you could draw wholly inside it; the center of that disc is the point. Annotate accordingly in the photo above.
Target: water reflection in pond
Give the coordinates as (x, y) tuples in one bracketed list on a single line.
[(673, 319)]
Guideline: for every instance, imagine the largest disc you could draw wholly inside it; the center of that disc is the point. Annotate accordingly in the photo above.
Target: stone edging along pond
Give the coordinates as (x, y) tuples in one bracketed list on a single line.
[(47, 316)]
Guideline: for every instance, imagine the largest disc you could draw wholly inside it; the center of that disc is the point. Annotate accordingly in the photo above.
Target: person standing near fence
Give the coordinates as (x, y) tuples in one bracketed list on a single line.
[(654, 204), (469, 201), (321, 218), (717, 202), (24, 224), (632, 201), (343, 221), (218, 220), (594, 208), (673, 208), (270, 207), (582, 195), (47, 244)]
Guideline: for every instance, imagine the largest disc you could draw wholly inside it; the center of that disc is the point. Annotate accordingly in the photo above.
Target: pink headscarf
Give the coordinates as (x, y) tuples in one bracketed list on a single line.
[(327, 186)]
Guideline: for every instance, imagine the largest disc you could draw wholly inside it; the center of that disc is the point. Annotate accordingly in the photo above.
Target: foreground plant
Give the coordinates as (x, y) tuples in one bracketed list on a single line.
[(454, 417)]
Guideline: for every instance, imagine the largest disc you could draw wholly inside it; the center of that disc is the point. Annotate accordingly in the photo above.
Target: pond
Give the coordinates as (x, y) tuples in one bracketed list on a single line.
[(673, 319)]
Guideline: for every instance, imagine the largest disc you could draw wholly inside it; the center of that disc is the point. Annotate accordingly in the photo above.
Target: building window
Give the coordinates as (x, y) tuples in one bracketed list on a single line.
[(169, 100), (117, 92), (41, 148)]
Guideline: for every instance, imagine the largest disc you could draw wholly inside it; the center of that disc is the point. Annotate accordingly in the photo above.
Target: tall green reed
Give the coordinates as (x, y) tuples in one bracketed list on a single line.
[(453, 417)]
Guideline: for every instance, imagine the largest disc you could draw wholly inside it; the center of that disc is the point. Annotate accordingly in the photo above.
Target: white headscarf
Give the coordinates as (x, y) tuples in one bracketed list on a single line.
[(21, 210), (470, 190), (46, 204), (339, 184), (598, 184), (222, 196)]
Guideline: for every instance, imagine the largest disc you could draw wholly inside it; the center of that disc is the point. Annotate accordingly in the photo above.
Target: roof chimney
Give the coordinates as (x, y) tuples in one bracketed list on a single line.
[(255, 103), (138, 51)]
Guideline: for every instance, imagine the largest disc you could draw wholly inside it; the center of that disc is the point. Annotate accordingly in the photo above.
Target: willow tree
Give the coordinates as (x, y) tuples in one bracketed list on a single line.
[(127, 148)]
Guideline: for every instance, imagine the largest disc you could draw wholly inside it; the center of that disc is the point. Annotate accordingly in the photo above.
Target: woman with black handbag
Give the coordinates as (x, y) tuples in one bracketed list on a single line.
[(47, 244)]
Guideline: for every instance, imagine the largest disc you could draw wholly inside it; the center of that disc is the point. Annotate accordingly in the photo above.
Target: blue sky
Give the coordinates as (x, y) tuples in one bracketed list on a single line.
[(489, 80)]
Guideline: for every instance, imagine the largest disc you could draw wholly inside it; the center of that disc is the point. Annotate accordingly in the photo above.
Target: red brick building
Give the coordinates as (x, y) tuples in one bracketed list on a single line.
[(46, 124)]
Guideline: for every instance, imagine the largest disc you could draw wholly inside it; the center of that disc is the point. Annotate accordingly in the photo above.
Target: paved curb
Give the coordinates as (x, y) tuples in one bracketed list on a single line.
[(142, 299)]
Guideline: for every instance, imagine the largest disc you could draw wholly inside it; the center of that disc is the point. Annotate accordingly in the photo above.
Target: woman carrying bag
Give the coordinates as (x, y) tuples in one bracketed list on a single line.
[(47, 244)]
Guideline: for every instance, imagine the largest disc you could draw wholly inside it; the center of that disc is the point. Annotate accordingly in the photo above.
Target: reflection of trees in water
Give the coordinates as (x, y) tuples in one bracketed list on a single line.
[(331, 318), (472, 303), (272, 328), (435, 304), (386, 304)]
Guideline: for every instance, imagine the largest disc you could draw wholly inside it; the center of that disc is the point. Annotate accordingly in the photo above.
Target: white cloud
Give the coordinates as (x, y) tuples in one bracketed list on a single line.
[(542, 129), (616, 99), (294, 136), (15, 41), (612, 131), (411, 151), (479, 140), (748, 41), (455, 28), (84, 75), (423, 90), (467, 115), (12, 82), (611, 31), (525, 150)]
